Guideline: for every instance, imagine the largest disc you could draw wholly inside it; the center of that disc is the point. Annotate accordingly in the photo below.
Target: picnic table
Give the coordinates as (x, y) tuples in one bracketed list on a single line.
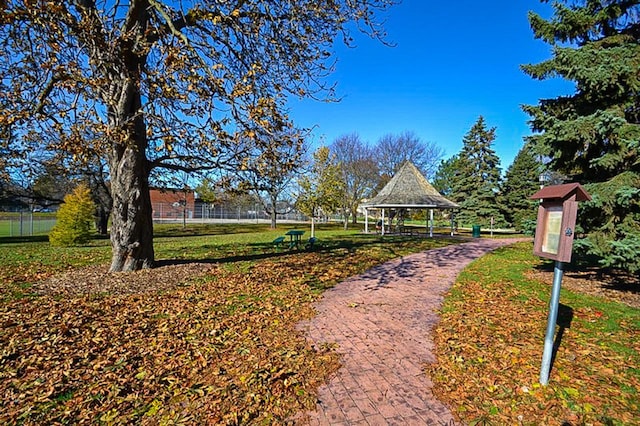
[(295, 236)]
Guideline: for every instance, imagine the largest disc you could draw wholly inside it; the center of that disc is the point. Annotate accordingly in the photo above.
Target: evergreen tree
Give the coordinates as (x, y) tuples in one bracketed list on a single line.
[(593, 135), (477, 178), (444, 178), (521, 181), (74, 218)]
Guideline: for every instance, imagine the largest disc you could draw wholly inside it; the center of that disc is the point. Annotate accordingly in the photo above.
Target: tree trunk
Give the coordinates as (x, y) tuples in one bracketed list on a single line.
[(274, 212), (103, 221), (313, 226), (131, 218)]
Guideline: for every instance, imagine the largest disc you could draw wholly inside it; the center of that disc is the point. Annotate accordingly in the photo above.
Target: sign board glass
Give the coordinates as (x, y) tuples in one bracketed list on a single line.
[(552, 230)]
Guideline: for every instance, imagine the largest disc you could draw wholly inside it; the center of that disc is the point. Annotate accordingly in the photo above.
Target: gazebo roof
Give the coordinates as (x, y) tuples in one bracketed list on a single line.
[(408, 188)]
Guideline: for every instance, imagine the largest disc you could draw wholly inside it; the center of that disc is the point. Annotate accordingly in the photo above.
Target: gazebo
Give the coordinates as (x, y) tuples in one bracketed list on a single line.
[(408, 189)]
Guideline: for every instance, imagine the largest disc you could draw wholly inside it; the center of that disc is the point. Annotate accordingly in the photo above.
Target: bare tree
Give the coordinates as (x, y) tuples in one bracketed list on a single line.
[(44, 178), (162, 84), (359, 171), (393, 150)]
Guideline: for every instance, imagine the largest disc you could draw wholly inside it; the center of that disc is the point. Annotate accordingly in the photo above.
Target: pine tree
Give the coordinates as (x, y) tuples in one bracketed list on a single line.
[(74, 218), (521, 181), (477, 178), (593, 135)]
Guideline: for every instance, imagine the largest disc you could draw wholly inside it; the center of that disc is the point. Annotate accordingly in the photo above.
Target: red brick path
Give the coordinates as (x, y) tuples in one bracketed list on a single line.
[(381, 322)]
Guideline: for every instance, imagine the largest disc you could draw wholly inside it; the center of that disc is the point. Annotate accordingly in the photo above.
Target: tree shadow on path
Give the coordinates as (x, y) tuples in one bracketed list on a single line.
[(449, 257)]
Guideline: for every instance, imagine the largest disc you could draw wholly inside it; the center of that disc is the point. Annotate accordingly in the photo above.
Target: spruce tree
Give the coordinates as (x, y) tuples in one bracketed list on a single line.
[(521, 181), (477, 178), (444, 178), (592, 136)]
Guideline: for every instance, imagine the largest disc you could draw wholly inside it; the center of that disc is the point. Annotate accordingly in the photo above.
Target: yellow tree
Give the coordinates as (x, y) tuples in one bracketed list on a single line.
[(151, 84), (74, 219), (322, 188)]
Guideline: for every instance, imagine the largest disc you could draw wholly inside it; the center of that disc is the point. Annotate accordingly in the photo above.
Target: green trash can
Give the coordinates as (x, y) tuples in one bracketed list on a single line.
[(475, 231)]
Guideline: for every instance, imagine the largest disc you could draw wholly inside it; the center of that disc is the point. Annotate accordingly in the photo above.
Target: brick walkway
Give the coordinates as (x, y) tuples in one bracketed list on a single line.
[(381, 322)]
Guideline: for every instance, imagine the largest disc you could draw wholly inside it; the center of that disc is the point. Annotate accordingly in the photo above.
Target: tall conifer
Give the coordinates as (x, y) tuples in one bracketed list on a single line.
[(477, 179), (444, 178), (521, 181), (593, 135)]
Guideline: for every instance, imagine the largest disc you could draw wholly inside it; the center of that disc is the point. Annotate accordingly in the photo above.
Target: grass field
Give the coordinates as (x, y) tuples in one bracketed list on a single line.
[(490, 339), (220, 346), (210, 335), (27, 224)]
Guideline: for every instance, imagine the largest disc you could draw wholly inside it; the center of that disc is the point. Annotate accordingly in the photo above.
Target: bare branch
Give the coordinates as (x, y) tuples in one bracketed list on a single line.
[(46, 91)]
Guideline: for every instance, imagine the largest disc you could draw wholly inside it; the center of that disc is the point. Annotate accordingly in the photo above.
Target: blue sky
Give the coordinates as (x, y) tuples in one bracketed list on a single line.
[(453, 61)]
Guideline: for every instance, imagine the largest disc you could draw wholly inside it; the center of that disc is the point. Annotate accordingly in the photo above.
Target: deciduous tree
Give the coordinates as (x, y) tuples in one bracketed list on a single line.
[(393, 150), (593, 135), (151, 84), (214, 193), (74, 218), (359, 172), (42, 178), (322, 189), (269, 173)]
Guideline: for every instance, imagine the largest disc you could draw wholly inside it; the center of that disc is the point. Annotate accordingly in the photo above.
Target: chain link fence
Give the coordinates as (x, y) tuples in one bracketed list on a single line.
[(25, 224), (28, 224), (202, 212)]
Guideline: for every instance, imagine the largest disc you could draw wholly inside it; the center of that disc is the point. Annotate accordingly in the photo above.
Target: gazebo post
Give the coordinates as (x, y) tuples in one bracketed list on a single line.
[(431, 222), (452, 222), (366, 220), (382, 229)]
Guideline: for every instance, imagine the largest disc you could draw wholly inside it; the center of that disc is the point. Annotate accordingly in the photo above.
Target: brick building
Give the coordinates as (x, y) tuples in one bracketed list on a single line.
[(169, 203)]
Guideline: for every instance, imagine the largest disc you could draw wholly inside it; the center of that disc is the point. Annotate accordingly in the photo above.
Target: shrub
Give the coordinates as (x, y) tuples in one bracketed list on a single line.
[(74, 219)]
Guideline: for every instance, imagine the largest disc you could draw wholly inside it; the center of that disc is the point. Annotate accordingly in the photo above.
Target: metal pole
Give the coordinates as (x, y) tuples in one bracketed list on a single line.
[(547, 354)]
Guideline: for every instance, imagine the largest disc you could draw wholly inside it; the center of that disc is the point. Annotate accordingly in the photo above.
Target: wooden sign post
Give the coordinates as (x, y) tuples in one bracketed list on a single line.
[(554, 240)]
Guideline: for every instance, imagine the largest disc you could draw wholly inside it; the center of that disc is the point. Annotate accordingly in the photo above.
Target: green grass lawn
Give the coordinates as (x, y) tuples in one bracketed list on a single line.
[(489, 345), (222, 346)]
